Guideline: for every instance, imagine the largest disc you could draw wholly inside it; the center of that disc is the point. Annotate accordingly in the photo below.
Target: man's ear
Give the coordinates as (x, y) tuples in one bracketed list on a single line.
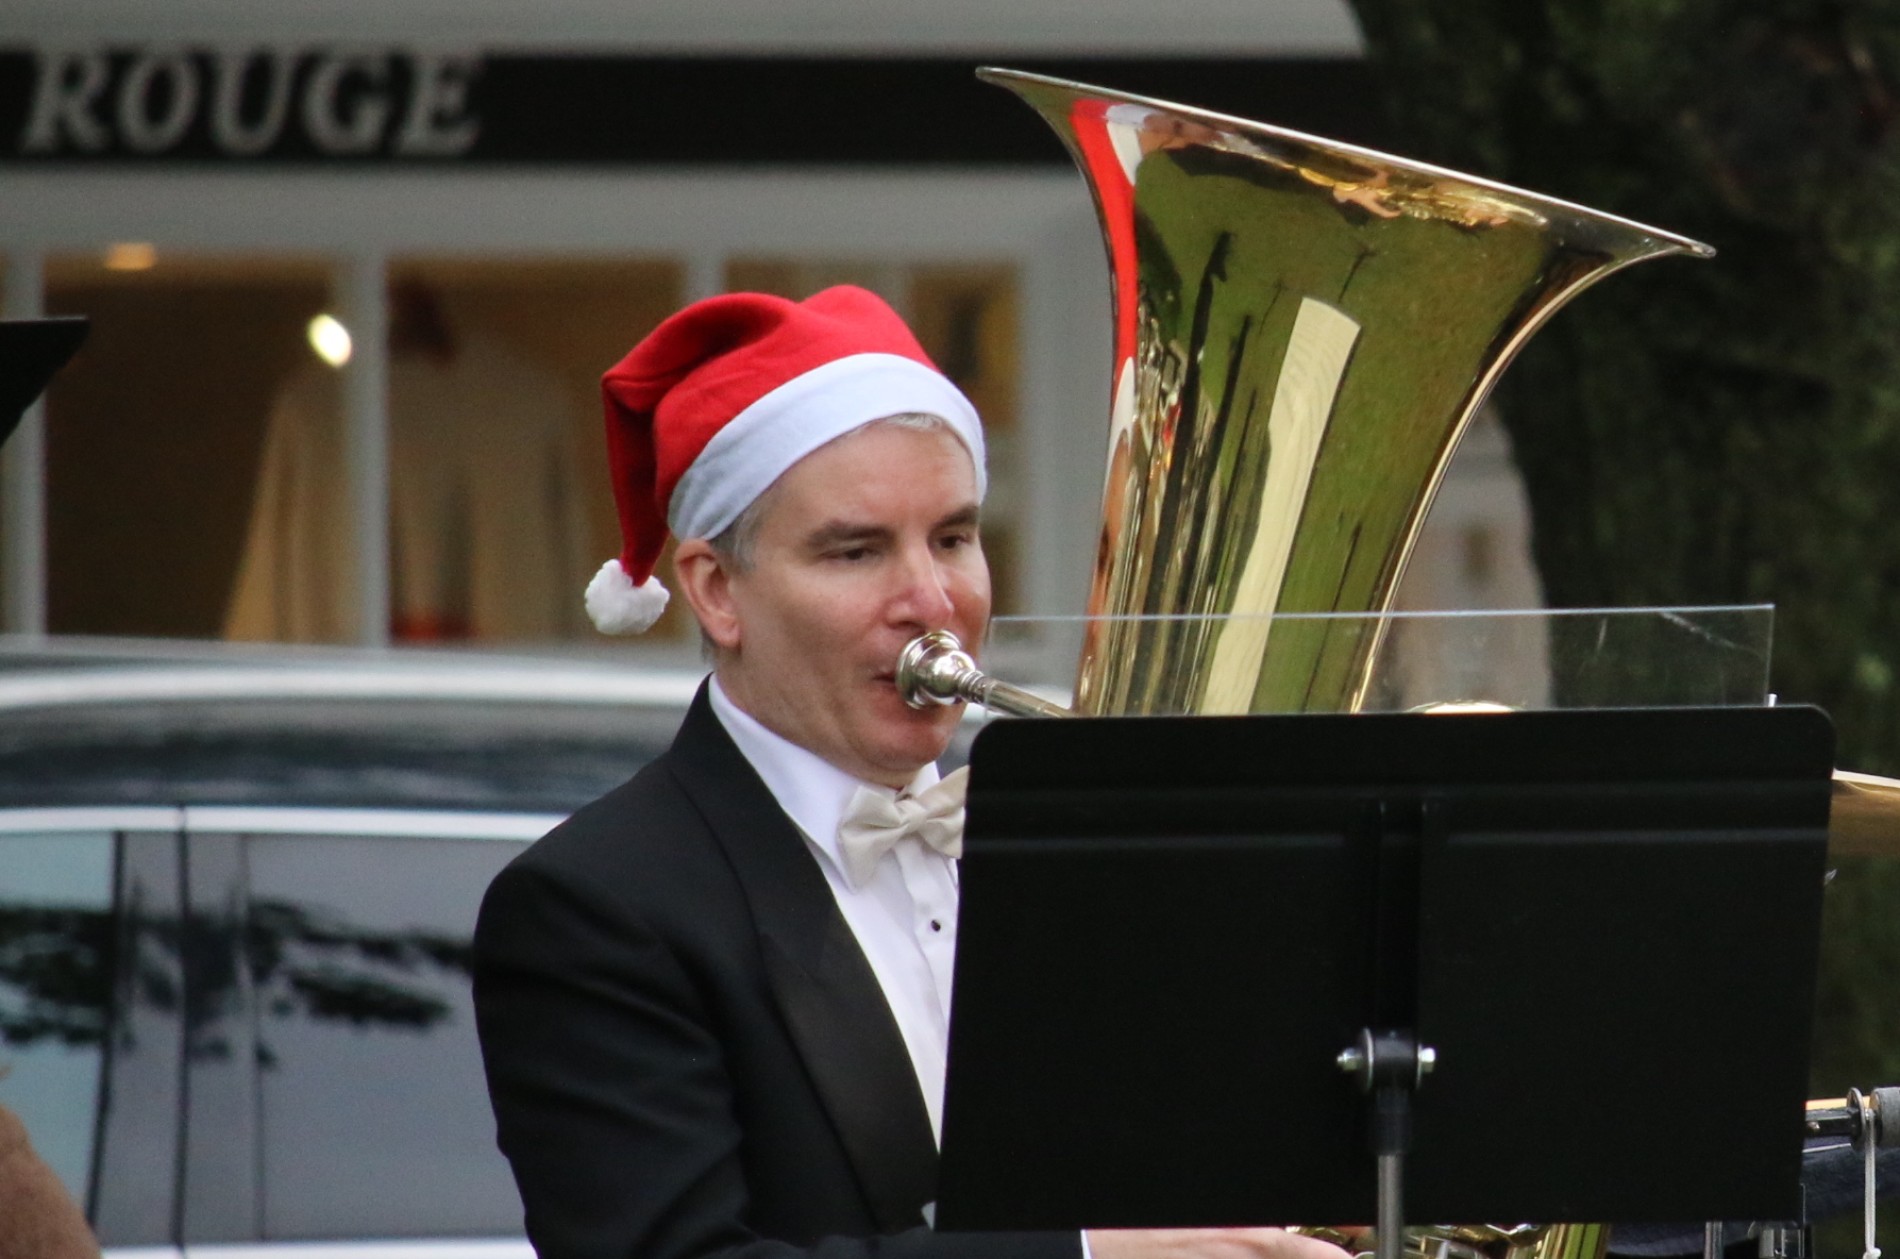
[(707, 584)]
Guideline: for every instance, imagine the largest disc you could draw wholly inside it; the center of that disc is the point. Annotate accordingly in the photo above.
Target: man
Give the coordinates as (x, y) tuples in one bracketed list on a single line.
[(713, 1003)]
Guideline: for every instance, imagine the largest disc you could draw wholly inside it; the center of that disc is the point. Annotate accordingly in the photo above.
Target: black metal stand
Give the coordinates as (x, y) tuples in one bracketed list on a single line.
[(31, 351), (1389, 1065), (1170, 928)]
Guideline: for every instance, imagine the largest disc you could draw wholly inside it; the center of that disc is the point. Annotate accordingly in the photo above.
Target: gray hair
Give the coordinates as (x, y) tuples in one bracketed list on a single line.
[(735, 544)]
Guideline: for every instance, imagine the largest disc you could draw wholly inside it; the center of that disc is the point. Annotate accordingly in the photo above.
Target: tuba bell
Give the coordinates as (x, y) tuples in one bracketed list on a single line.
[(1302, 332)]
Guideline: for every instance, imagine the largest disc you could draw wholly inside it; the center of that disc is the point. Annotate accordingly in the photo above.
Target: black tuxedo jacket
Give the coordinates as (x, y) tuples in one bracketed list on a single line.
[(687, 1052)]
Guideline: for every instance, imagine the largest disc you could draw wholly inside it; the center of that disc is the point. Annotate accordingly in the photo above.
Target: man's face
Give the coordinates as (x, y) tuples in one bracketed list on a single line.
[(865, 543)]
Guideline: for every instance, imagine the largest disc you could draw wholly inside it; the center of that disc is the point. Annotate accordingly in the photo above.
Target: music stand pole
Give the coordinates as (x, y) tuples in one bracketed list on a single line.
[(1389, 1065)]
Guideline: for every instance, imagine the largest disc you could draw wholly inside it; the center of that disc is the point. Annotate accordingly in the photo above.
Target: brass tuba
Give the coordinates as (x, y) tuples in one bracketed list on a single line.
[(1302, 331)]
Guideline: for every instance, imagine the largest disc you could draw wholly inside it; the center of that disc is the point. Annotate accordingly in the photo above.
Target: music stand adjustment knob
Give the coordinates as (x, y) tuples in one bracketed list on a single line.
[(1387, 1058)]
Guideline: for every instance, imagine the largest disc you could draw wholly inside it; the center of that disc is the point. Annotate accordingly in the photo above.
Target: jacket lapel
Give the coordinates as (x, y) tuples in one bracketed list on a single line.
[(824, 987)]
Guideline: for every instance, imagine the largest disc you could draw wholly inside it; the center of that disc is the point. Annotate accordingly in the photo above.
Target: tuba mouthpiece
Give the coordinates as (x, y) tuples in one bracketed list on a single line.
[(933, 669)]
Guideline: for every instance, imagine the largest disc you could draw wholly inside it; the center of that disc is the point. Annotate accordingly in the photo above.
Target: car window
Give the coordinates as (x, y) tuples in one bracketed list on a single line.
[(91, 1007), (373, 1110), (56, 961)]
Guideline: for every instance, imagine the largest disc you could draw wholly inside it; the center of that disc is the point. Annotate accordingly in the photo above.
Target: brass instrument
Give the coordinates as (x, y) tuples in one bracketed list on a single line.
[(1302, 332)]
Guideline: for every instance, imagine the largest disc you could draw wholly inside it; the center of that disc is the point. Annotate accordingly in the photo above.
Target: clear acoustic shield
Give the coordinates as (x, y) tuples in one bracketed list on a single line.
[(1520, 659)]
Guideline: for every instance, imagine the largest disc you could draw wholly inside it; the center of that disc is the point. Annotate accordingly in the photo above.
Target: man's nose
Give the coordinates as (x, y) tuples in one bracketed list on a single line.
[(925, 597)]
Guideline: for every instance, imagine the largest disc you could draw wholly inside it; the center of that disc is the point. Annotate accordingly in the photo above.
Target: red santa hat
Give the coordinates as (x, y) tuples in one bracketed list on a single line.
[(712, 407)]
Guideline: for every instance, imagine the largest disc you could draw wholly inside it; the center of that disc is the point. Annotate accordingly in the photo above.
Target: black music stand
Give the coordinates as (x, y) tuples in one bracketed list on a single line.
[(1605, 922), (31, 351)]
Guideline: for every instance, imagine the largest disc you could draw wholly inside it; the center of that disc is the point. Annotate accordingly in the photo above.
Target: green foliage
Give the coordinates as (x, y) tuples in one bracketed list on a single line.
[(1717, 432), (1859, 1006)]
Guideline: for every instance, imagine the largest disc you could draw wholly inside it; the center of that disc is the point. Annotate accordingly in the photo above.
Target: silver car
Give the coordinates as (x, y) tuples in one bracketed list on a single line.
[(236, 901)]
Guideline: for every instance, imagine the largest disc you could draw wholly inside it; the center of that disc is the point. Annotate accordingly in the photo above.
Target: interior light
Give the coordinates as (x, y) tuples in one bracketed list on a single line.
[(330, 339), (131, 255)]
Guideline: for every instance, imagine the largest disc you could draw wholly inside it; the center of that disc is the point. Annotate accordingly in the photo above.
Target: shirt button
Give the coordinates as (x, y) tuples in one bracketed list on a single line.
[(935, 925)]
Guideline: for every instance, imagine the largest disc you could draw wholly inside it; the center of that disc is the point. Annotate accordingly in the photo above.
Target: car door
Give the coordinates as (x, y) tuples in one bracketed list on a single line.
[(336, 1099)]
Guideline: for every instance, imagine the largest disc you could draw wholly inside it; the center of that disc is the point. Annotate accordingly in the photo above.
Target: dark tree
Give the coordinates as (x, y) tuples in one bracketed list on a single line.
[(1717, 432)]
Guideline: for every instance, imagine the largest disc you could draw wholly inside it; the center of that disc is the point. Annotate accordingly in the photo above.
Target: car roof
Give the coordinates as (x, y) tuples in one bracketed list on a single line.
[(86, 724)]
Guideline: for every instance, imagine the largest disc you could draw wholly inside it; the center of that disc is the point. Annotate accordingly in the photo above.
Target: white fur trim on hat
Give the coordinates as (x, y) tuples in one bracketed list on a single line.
[(757, 445), (617, 606)]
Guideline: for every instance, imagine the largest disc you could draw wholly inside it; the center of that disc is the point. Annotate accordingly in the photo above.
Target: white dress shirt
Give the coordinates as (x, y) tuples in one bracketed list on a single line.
[(905, 915)]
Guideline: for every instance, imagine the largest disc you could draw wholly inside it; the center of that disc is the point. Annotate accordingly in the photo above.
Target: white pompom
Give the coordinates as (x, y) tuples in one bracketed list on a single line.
[(617, 606)]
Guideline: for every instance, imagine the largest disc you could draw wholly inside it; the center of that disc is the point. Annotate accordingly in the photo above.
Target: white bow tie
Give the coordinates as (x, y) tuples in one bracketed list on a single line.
[(874, 822)]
